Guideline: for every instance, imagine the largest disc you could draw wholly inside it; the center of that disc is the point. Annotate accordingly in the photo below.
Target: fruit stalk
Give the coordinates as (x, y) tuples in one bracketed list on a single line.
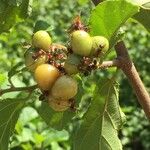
[(17, 89)]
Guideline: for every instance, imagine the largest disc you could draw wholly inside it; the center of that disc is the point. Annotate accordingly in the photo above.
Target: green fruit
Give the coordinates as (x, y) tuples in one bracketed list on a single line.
[(31, 63), (58, 105), (70, 68), (71, 64), (45, 76), (42, 40), (64, 88), (100, 44), (81, 43)]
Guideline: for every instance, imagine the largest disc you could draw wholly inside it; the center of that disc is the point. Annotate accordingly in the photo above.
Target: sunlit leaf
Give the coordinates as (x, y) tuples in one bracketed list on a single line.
[(109, 16)]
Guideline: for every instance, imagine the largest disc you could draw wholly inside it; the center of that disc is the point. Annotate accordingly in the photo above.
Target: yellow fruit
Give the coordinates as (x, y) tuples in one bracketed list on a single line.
[(64, 88), (42, 40), (46, 75)]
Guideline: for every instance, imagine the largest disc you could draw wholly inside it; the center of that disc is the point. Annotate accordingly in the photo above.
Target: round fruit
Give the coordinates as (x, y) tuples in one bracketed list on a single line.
[(64, 88), (100, 43), (46, 75), (70, 68), (58, 105), (31, 63), (81, 43), (71, 64), (41, 39)]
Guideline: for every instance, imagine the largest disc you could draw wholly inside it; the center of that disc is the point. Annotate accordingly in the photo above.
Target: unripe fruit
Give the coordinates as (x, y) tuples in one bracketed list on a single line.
[(100, 43), (71, 64), (58, 105), (42, 40), (64, 88), (70, 68), (31, 63), (46, 75), (81, 43)]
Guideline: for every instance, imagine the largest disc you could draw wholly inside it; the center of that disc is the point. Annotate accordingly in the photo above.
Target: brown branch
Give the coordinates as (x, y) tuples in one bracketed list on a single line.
[(130, 71), (17, 89)]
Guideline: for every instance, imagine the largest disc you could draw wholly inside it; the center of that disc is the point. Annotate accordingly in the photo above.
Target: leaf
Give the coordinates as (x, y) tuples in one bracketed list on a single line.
[(143, 16), (12, 12), (82, 2), (141, 2), (56, 120), (9, 113), (103, 119), (109, 16), (25, 8), (42, 25), (16, 69), (3, 78)]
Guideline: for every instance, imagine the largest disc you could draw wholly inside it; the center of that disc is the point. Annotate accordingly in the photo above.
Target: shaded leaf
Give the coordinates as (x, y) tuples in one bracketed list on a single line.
[(9, 113), (143, 16), (102, 120), (42, 25), (56, 120)]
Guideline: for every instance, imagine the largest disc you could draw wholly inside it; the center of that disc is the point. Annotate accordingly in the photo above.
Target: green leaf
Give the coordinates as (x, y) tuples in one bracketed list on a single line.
[(103, 119), (56, 120), (143, 16), (9, 113), (109, 16), (3, 78), (82, 2), (15, 69), (42, 25), (12, 12), (25, 8)]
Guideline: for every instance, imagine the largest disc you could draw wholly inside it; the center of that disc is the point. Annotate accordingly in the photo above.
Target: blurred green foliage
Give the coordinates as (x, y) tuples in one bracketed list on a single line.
[(31, 132)]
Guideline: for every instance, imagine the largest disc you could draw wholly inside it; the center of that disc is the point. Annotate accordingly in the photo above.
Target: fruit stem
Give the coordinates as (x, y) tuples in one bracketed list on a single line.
[(16, 89), (108, 64)]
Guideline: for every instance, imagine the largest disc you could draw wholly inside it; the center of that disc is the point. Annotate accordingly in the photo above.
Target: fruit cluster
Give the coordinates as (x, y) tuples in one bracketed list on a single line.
[(54, 64)]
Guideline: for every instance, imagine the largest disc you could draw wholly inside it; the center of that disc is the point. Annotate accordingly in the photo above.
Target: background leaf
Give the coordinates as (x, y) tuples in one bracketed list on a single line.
[(82, 2), (9, 113), (102, 120), (12, 12)]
